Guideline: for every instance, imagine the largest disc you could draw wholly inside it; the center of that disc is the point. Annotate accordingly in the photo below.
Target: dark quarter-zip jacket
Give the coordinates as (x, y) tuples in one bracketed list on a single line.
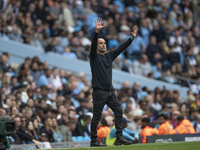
[(101, 65)]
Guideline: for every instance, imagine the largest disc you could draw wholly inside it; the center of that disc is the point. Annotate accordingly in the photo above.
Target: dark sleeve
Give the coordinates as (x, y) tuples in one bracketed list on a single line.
[(121, 48), (93, 50), (149, 52), (23, 135), (79, 131)]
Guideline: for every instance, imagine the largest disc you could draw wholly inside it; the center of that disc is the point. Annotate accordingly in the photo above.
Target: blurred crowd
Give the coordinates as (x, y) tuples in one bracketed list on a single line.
[(48, 104), (166, 48), (54, 105)]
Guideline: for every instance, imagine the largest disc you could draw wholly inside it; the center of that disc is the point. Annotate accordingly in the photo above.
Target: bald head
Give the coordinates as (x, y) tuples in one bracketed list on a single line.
[(126, 84), (101, 45)]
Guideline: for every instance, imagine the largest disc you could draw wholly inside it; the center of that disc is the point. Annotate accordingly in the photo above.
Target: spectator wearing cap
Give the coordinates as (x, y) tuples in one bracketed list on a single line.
[(127, 134), (147, 130), (43, 137)]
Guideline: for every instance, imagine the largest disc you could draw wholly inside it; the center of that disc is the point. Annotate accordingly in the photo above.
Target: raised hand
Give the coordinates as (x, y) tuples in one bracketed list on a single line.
[(99, 25), (134, 33)]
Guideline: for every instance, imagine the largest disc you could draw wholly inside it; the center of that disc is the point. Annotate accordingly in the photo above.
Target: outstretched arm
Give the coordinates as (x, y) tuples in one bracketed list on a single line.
[(134, 33), (124, 45), (99, 26)]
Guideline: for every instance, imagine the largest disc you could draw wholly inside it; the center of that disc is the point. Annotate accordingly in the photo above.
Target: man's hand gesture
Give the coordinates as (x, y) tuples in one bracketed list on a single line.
[(134, 33), (99, 25)]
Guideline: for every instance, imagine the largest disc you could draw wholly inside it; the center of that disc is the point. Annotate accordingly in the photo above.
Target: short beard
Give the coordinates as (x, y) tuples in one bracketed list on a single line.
[(101, 51)]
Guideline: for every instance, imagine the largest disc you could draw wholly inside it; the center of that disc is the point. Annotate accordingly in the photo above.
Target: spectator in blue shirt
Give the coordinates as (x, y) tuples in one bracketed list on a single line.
[(67, 52), (45, 79), (136, 48)]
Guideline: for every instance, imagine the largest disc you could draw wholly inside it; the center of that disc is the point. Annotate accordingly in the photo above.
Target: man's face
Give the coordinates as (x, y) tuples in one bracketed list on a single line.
[(101, 46), (4, 59), (137, 86), (48, 73), (50, 123), (124, 125), (65, 118), (17, 121), (161, 120), (72, 126), (144, 124)]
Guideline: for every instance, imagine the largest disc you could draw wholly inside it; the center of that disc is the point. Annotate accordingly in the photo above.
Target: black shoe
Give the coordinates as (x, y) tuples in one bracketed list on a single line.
[(96, 144), (122, 141)]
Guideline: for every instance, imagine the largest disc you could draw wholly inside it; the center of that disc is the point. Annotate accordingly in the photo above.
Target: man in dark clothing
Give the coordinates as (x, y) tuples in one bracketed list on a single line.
[(82, 127), (21, 135), (64, 119), (103, 91), (4, 65), (47, 129), (154, 52)]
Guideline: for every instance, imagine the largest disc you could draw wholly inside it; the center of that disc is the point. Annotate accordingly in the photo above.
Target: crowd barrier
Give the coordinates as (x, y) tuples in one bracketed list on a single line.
[(45, 145), (173, 138)]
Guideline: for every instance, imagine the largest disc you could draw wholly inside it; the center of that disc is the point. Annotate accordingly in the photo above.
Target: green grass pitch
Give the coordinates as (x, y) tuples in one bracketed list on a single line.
[(154, 146)]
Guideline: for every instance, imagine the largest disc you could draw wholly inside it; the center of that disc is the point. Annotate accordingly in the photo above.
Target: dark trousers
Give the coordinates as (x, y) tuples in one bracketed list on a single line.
[(100, 98)]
